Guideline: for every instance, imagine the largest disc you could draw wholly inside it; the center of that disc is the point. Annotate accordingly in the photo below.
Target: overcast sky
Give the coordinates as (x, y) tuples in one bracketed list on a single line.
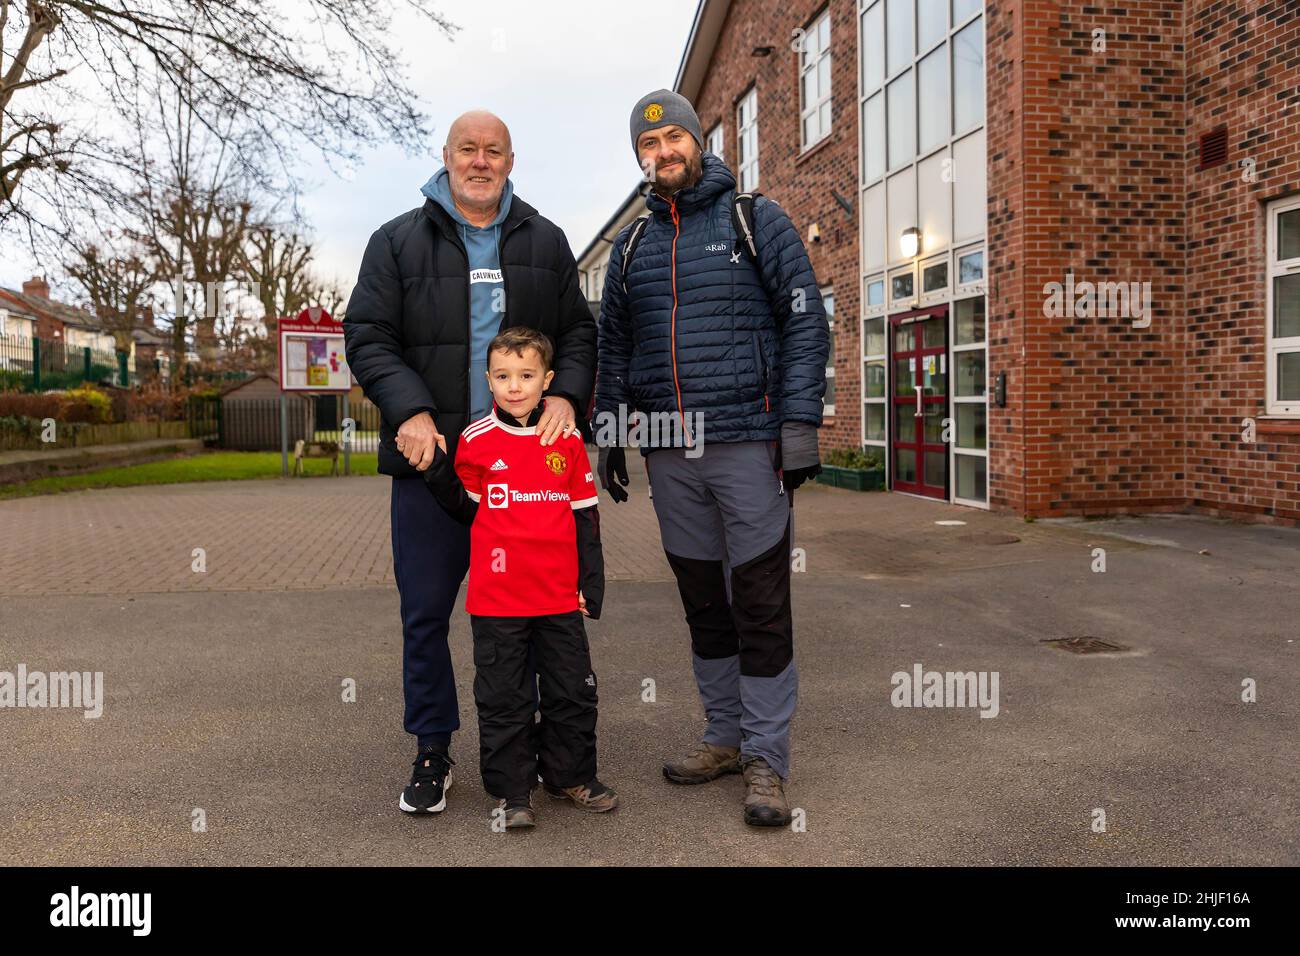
[(564, 77)]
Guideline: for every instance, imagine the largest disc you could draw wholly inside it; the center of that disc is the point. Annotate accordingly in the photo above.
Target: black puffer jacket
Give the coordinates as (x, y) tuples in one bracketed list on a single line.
[(407, 323)]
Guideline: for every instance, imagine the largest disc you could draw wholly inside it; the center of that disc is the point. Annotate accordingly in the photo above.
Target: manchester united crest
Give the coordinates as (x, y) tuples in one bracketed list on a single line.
[(556, 462), (653, 113)]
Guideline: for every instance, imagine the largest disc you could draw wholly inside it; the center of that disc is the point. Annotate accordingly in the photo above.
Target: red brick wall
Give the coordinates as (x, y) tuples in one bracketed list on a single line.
[(1004, 81), (1086, 175), (1093, 168), (802, 185), (1243, 72)]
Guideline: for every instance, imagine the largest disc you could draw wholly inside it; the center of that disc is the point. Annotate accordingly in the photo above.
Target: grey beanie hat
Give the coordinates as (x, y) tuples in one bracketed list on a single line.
[(664, 108)]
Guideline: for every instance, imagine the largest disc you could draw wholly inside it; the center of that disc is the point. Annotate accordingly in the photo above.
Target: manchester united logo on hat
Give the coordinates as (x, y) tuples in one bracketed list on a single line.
[(654, 112), (556, 462)]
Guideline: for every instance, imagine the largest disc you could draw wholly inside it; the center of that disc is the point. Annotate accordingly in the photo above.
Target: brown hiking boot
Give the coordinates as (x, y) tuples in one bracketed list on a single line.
[(705, 762), (519, 812), (594, 797), (765, 804)]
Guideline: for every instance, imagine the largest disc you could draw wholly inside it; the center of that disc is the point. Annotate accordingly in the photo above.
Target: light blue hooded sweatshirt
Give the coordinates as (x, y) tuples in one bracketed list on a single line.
[(483, 246)]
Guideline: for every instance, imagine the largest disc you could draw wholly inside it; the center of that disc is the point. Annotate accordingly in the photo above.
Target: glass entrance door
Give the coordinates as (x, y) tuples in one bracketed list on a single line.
[(920, 402)]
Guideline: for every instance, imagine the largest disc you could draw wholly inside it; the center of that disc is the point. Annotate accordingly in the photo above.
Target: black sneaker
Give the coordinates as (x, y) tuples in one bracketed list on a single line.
[(518, 812), (430, 781)]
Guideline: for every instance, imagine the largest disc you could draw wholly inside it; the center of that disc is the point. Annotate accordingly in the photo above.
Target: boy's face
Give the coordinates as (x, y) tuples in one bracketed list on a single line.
[(517, 381)]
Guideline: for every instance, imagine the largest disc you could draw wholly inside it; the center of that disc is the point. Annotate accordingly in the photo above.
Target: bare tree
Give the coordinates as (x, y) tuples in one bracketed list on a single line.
[(319, 72), (278, 260), (331, 296), (117, 286)]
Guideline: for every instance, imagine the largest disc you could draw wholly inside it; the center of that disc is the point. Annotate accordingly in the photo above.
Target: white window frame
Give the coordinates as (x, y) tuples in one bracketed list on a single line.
[(940, 294), (966, 290), (955, 350), (1274, 345), (747, 160), (828, 292), (869, 313), (902, 305), (715, 141), (867, 282), (811, 54)]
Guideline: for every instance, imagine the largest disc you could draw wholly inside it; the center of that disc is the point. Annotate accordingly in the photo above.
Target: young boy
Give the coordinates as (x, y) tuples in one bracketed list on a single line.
[(535, 569)]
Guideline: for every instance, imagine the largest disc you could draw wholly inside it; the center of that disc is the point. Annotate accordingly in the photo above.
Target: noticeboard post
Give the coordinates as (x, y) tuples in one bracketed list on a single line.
[(312, 360)]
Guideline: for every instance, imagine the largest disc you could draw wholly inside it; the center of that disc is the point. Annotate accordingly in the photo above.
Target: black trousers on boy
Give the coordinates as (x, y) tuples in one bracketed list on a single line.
[(562, 748)]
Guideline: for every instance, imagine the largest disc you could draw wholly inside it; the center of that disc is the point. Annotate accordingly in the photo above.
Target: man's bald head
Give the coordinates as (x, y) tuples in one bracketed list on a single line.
[(477, 123), (479, 157)]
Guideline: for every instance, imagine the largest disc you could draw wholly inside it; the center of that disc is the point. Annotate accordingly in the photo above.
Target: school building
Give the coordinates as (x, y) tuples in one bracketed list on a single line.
[(1060, 241)]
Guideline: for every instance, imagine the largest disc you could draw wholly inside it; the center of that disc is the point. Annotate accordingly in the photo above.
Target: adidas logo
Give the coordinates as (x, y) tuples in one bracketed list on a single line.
[(499, 466), (591, 680)]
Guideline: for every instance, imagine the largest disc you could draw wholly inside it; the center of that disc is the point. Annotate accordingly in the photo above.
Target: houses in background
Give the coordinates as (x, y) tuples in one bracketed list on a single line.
[(35, 327)]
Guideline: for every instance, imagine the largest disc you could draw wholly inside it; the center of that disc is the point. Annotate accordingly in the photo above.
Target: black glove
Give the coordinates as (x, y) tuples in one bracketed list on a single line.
[(793, 479), (800, 459), (611, 464)]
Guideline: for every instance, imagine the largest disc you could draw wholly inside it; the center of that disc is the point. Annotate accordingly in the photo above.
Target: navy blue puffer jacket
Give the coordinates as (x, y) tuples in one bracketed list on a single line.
[(700, 330)]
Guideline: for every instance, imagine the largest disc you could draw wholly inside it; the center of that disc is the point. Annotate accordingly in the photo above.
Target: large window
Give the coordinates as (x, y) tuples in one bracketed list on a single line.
[(921, 102), (969, 402), (747, 140), (968, 77), (873, 363), (1283, 299), (922, 79), (828, 303), (815, 81), (713, 142)]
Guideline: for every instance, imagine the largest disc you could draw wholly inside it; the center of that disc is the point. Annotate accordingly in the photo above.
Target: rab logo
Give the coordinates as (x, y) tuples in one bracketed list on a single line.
[(556, 462), (498, 496), (654, 112), (716, 247)]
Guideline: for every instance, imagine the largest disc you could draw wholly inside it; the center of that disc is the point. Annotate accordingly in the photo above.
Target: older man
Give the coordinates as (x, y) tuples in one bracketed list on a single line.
[(436, 284)]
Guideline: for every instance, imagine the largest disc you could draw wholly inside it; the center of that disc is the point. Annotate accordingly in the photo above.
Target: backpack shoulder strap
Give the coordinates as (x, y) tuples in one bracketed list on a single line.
[(742, 221), (629, 247)]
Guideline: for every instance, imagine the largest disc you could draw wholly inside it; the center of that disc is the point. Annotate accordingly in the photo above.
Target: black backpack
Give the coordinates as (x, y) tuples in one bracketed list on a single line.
[(742, 219)]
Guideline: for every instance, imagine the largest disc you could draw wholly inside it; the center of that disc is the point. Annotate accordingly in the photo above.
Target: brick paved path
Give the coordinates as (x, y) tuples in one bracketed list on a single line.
[(326, 533)]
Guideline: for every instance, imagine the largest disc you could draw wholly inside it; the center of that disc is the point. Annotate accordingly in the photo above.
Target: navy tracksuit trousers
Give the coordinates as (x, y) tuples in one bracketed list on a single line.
[(430, 560)]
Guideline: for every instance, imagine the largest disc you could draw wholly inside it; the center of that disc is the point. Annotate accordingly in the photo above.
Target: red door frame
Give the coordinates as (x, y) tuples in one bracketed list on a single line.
[(919, 446)]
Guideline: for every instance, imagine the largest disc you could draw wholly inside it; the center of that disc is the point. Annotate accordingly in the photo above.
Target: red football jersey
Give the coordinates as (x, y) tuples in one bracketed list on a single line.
[(523, 543)]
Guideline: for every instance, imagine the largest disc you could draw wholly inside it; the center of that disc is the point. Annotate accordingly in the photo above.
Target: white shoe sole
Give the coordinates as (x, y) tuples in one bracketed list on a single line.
[(436, 808)]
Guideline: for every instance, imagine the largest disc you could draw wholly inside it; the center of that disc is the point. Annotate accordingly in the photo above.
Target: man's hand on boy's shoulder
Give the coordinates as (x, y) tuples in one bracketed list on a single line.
[(558, 419)]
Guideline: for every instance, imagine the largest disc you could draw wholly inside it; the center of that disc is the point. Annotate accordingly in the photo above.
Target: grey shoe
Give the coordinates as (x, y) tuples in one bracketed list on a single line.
[(705, 762), (519, 813), (765, 804)]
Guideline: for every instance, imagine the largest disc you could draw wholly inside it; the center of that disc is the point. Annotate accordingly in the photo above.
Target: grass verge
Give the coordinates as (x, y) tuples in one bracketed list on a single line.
[(208, 466)]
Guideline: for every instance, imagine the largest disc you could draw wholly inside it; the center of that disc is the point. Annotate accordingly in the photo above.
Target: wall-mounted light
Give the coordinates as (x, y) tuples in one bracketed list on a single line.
[(911, 242)]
